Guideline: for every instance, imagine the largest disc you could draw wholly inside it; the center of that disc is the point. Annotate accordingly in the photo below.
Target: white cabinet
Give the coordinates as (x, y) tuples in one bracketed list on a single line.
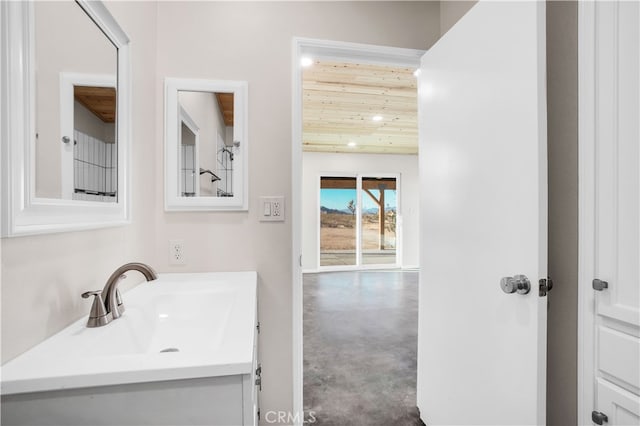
[(215, 401), (610, 212), (223, 401), (209, 378), (621, 407), (251, 385)]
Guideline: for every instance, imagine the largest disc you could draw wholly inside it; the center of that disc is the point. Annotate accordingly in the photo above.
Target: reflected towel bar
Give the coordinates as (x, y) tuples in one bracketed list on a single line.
[(214, 177)]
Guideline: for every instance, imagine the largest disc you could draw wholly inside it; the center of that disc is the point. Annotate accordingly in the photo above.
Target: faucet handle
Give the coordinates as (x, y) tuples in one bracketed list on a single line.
[(119, 301), (88, 294), (98, 315)]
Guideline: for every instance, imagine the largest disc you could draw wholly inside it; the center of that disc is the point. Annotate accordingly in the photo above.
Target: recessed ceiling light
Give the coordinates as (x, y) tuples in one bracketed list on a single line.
[(306, 61), (351, 144), (417, 72), (377, 118)]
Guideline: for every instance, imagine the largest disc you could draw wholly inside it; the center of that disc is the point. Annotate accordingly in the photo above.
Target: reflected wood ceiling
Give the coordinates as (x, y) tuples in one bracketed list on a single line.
[(101, 101), (225, 103), (340, 101)]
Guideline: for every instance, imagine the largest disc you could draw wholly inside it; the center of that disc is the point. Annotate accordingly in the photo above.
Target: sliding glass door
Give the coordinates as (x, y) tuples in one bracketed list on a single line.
[(378, 229), (338, 221), (358, 216)]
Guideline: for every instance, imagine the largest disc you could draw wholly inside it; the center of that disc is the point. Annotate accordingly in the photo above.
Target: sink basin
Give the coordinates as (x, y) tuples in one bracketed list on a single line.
[(179, 326), (164, 318)]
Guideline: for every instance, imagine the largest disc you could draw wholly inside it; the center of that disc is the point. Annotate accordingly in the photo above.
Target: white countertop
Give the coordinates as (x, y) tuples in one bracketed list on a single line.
[(209, 317)]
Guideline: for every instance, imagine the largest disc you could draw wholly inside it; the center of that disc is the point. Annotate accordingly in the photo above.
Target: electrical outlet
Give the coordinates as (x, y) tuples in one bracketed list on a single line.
[(272, 209), (176, 252), (277, 208)]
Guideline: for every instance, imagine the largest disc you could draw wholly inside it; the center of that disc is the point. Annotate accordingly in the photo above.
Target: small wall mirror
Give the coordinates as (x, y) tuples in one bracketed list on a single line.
[(67, 122), (205, 145)]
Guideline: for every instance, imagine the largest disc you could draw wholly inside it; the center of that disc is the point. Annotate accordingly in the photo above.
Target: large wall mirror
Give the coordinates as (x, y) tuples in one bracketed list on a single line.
[(205, 145), (65, 126)]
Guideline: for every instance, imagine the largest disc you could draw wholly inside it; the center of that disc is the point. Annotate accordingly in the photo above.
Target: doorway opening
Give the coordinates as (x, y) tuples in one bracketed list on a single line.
[(336, 149)]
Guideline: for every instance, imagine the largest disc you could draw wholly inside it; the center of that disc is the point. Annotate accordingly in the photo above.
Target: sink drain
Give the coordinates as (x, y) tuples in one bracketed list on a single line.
[(170, 350)]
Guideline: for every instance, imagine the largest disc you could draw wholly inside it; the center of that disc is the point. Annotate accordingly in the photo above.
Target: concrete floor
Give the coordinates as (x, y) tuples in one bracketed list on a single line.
[(360, 347)]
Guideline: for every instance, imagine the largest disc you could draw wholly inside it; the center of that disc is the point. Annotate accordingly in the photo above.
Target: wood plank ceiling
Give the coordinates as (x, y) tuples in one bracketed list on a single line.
[(225, 103), (101, 101), (364, 108)]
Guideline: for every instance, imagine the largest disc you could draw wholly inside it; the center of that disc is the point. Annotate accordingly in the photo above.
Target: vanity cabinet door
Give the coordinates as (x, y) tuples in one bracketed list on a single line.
[(212, 401), (251, 384)]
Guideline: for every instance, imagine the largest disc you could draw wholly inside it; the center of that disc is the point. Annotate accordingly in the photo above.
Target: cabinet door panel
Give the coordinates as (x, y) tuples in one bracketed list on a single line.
[(621, 407)]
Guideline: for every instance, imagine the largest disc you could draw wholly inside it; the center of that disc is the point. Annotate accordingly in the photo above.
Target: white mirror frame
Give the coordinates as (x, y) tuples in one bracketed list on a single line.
[(22, 212), (172, 200)]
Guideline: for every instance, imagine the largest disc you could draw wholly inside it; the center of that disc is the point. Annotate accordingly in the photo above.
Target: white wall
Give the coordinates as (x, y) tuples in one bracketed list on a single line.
[(253, 41), (43, 276), (87, 122), (315, 163), (451, 11)]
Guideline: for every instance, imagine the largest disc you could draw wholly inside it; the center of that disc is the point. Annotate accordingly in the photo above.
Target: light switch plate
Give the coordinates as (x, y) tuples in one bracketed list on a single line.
[(272, 209)]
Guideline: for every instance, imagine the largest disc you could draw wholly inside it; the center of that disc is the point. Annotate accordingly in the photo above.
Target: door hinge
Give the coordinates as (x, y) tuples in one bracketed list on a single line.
[(258, 327), (545, 286), (599, 285), (258, 414), (599, 418)]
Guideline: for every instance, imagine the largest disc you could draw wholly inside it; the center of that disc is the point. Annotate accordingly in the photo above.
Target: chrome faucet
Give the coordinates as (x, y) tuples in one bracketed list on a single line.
[(107, 304)]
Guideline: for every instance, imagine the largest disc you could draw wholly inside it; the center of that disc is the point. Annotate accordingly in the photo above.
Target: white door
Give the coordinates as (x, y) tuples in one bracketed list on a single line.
[(482, 94), (610, 212)]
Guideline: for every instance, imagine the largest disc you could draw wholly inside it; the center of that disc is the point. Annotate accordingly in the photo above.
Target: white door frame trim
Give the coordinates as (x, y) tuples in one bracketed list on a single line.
[(335, 50), (586, 212)]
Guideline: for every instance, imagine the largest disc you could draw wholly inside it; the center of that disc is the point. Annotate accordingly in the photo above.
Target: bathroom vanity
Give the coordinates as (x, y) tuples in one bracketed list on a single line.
[(184, 352)]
